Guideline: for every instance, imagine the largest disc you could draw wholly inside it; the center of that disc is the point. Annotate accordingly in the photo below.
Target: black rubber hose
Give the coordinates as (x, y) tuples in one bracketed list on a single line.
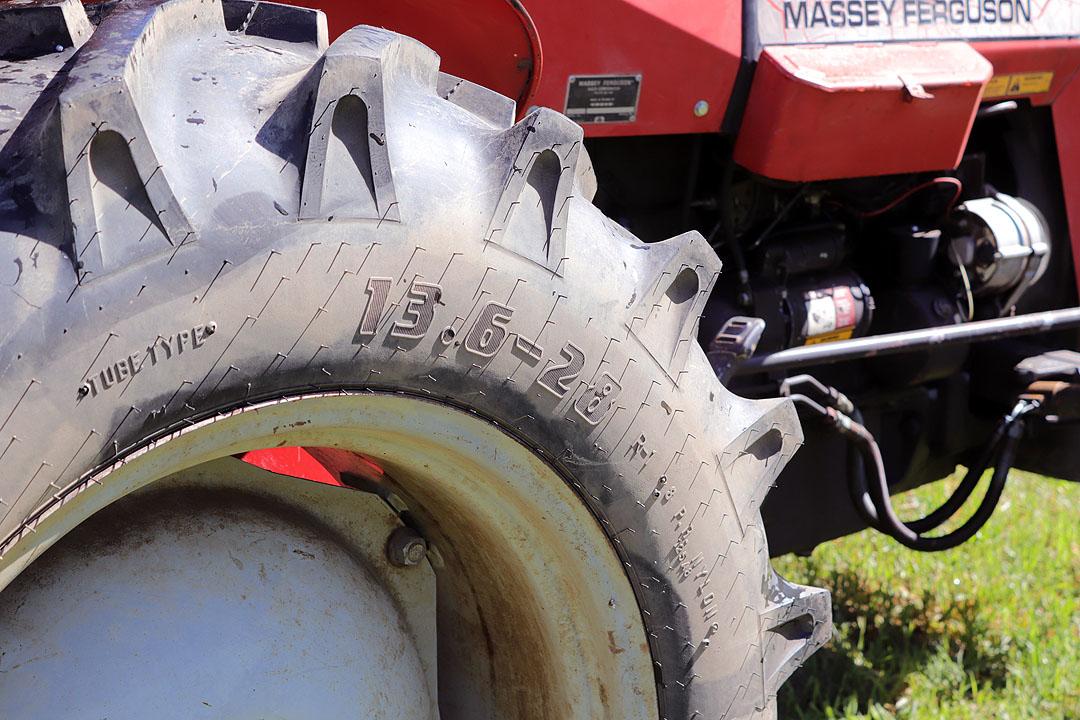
[(989, 502), (867, 505), (872, 501), (860, 495), (904, 534), (963, 491)]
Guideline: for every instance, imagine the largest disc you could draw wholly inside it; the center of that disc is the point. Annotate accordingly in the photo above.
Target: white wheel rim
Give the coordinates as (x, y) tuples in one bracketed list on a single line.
[(551, 627)]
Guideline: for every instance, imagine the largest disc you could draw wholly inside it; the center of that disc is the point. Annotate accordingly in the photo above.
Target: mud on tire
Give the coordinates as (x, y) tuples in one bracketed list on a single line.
[(204, 206)]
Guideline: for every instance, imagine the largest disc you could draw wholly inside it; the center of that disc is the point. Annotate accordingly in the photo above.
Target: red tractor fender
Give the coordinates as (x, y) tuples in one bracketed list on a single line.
[(493, 43)]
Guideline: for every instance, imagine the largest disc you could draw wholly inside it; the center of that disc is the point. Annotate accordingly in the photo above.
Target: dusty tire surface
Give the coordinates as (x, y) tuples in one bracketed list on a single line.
[(202, 208)]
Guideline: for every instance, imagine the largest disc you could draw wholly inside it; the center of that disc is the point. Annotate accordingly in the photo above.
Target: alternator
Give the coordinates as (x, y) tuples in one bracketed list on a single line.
[(1003, 243)]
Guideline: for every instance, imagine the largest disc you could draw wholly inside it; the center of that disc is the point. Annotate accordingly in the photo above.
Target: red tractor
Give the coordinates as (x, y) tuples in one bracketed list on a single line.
[(339, 382)]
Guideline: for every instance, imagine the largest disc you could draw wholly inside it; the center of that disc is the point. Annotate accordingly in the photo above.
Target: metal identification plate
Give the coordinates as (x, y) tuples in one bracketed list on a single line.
[(603, 98), (788, 22)]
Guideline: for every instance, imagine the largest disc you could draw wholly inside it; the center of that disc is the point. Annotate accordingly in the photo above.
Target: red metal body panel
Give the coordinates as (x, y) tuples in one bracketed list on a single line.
[(837, 111), (1060, 57), (1067, 130), (777, 141), (294, 462), (685, 51), (328, 466)]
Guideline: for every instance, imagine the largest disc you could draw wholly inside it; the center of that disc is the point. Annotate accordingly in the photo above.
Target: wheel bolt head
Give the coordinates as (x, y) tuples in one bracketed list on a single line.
[(405, 548)]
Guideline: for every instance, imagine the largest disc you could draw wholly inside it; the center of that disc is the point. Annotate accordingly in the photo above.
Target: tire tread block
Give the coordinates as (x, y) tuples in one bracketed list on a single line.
[(495, 109), (541, 156), (31, 30), (113, 73), (358, 65), (667, 306)]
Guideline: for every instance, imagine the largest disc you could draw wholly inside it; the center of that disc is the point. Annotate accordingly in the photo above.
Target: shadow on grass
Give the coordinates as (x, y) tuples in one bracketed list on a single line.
[(883, 635)]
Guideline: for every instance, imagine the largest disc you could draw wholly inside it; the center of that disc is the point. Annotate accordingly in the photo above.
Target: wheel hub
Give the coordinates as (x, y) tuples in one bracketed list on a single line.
[(223, 589)]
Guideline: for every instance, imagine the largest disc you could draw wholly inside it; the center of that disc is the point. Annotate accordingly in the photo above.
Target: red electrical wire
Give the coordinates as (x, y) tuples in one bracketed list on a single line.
[(929, 183)]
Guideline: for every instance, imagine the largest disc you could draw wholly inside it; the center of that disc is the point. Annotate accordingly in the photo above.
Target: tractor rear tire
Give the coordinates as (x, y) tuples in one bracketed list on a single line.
[(205, 208)]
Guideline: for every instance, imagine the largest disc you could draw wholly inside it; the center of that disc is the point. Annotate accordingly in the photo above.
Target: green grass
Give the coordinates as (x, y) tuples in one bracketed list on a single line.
[(988, 630)]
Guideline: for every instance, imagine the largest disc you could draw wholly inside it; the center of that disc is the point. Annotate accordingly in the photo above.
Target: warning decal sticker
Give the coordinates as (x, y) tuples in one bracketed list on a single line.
[(1018, 84), (603, 98)]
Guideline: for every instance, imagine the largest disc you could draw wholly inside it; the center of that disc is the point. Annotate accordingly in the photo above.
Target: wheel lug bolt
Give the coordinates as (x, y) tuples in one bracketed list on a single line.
[(405, 548)]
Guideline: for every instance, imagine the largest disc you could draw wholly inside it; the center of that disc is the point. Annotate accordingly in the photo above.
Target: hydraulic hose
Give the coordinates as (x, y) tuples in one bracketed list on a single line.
[(871, 499), (963, 491), (903, 533), (867, 507), (860, 494)]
